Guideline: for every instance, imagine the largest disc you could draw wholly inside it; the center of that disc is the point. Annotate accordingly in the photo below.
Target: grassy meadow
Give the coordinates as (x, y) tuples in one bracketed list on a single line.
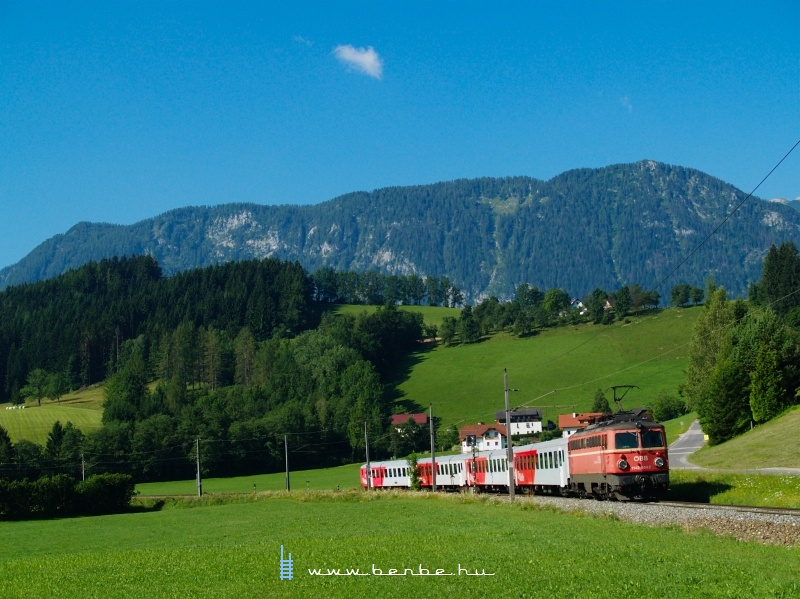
[(324, 479), (232, 549), (558, 370), (84, 408), (431, 315)]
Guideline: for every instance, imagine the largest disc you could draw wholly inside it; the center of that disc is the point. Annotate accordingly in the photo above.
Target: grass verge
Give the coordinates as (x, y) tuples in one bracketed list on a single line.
[(762, 490), (233, 550)]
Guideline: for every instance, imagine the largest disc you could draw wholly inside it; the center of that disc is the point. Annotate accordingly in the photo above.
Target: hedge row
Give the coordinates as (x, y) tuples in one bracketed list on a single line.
[(62, 495)]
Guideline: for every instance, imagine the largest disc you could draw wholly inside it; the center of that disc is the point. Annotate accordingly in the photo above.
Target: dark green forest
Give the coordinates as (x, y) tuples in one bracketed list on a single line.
[(234, 354)]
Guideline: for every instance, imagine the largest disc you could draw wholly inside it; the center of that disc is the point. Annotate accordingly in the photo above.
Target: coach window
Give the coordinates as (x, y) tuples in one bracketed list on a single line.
[(626, 441)]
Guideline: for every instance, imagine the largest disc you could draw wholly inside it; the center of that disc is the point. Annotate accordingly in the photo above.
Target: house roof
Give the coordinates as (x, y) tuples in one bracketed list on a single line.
[(578, 420), (399, 419), (479, 430), (520, 415)]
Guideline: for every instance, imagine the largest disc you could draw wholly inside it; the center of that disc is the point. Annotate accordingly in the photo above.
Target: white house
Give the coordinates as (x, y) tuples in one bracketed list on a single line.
[(524, 421), (486, 436)]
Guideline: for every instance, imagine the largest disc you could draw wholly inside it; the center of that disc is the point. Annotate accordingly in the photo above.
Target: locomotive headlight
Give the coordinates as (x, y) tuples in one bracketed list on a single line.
[(623, 464), (659, 462)]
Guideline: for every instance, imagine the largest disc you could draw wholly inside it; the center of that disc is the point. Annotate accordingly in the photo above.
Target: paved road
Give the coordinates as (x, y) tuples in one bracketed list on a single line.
[(689, 442)]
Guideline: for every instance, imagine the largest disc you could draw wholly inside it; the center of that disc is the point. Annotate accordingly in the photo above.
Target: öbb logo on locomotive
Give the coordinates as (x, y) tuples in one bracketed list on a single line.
[(622, 456)]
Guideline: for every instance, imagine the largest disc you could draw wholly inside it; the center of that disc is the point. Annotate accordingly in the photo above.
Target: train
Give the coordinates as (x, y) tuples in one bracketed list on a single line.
[(622, 456)]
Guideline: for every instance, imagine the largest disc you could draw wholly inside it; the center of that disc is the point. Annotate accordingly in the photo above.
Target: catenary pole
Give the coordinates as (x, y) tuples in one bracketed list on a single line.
[(286, 457), (199, 480), (369, 468), (433, 451), (509, 448)]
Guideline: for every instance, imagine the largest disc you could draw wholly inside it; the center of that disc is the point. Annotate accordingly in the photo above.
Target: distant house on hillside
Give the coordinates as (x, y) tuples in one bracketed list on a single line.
[(572, 423), (577, 304), (487, 436), (400, 419), (524, 421)]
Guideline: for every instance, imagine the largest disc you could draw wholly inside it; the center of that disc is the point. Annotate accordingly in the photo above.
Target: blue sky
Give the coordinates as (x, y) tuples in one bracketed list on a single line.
[(119, 111)]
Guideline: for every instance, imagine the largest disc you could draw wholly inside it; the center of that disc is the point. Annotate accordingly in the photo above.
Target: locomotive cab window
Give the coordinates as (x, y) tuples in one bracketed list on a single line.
[(626, 440), (652, 438)]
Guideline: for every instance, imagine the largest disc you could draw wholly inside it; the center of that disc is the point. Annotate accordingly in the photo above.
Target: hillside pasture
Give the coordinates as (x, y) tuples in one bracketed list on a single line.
[(431, 315), (558, 369), (83, 408), (233, 549)]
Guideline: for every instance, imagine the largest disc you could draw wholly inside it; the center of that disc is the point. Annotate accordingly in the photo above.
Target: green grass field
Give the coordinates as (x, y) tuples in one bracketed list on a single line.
[(558, 370), (431, 315), (233, 550), (325, 479), (735, 488), (83, 408)]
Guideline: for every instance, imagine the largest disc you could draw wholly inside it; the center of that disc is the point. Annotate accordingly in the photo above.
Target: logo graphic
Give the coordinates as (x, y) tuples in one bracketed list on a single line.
[(286, 566)]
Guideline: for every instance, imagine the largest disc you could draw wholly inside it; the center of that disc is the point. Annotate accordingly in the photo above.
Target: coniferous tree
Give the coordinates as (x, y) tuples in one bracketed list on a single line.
[(601, 402), (766, 386)]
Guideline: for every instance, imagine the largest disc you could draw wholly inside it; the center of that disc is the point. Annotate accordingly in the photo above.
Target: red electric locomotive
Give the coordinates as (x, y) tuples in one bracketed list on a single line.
[(621, 457)]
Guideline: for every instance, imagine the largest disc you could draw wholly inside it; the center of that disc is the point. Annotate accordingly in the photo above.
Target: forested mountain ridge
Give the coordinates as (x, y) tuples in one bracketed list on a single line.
[(583, 229)]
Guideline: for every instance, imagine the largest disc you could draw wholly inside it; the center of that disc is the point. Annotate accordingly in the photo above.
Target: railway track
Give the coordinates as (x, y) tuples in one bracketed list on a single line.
[(734, 508)]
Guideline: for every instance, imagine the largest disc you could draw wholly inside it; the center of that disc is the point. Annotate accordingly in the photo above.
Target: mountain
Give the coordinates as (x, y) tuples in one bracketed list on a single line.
[(586, 228)]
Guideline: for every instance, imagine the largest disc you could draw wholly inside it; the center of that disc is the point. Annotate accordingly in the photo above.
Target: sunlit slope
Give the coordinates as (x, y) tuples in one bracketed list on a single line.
[(82, 408), (557, 370), (774, 443)]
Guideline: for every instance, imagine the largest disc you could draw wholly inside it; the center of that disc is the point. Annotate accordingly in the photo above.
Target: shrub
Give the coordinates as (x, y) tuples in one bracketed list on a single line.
[(667, 407), (53, 495), (105, 493)]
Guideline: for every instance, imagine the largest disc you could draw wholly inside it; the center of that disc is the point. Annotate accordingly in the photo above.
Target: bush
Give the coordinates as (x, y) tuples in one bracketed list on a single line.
[(15, 498), (667, 407), (105, 493), (59, 496), (48, 496), (53, 496)]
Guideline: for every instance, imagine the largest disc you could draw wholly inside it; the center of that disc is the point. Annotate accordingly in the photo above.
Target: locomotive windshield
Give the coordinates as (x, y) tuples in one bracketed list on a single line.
[(652, 438), (626, 441), (630, 440)]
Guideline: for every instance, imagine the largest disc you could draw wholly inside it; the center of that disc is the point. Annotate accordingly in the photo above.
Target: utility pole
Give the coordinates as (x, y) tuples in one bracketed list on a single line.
[(369, 468), (199, 480), (286, 455), (433, 450), (83, 467), (509, 448)]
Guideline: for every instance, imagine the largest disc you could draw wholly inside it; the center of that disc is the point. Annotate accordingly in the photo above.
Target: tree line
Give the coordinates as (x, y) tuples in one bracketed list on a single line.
[(76, 324), (744, 361)]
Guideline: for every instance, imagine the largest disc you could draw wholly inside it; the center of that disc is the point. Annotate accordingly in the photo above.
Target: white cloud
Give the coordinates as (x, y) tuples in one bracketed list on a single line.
[(362, 60), (299, 39), (626, 103)]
